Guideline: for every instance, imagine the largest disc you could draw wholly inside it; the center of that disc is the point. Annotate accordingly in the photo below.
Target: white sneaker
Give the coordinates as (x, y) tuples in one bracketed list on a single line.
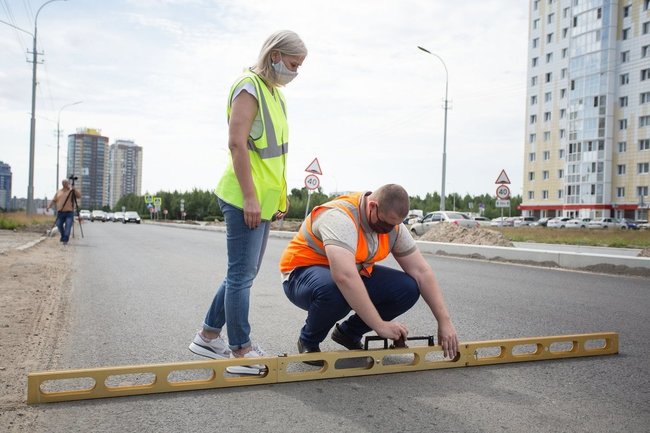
[(217, 348), (255, 352)]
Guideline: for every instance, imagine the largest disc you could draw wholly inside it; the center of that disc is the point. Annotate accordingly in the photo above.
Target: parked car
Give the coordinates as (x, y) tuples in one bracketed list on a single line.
[(118, 217), (432, 218), (131, 217), (524, 221), (540, 222), (577, 223), (643, 224), (109, 216), (629, 224), (500, 222), (98, 215), (606, 223), (481, 220), (557, 222), (84, 214)]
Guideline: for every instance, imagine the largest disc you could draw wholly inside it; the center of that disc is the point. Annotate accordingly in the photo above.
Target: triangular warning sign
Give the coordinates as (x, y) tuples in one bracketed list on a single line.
[(503, 178), (314, 167)]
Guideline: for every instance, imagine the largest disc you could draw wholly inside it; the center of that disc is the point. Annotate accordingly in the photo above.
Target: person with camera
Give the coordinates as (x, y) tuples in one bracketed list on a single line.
[(64, 202)]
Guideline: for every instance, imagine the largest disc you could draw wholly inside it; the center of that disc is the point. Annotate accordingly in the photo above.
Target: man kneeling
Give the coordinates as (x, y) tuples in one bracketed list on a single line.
[(329, 268)]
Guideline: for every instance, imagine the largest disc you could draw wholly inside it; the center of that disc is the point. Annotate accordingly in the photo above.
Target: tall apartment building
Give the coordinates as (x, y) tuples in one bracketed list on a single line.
[(125, 175), (88, 160), (587, 144), (5, 186)]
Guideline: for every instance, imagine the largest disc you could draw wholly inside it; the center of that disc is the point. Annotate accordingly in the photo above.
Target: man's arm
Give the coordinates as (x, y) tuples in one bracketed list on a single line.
[(347, 278), (415, 265)]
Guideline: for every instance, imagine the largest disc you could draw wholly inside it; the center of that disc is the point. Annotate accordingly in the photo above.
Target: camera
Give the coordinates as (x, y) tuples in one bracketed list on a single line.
[(73, 177)]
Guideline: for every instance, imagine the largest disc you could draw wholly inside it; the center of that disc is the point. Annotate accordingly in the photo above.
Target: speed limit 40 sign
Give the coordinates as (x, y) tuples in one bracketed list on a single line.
[(503, 192), (312, 181)]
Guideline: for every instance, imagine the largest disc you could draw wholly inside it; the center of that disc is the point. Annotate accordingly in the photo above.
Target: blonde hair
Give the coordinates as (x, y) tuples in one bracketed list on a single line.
[(283, 41)]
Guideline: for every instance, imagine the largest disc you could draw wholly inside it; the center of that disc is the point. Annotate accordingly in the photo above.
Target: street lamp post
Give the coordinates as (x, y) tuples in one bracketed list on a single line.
[(444, 142), (58, 136)]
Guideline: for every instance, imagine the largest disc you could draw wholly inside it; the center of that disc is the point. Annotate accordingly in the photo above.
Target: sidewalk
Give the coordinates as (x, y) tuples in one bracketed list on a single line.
[(18, 240)]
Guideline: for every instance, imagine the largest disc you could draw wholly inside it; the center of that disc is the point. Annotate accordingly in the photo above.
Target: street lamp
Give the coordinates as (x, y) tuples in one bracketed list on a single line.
[(58, 136), (444, 143)]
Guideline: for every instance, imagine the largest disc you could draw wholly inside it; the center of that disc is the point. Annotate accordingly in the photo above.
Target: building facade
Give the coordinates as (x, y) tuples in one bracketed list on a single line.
[(587, 143), (88, 161), (5, 186), (125, 174)]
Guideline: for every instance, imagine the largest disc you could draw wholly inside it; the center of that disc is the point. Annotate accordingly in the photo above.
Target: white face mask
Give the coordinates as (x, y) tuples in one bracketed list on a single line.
[(282, 73)]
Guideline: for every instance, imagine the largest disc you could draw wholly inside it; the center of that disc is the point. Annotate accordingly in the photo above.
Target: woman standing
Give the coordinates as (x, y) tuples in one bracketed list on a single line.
[(252, 190)]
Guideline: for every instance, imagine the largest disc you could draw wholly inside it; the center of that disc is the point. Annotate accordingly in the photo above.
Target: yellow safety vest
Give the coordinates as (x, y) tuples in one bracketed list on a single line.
[(267, 153)]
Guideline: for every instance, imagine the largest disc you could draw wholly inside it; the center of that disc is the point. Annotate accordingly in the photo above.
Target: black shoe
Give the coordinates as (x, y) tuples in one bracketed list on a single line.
[(303, 349), (344, 340)]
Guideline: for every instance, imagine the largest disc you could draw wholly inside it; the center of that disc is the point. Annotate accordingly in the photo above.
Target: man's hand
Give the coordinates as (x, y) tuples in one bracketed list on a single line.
[(448, 339), (392, 330)]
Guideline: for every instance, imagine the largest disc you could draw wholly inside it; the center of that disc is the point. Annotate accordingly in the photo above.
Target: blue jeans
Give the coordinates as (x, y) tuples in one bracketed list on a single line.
[(64, 222), (312, 288), (231, 302)]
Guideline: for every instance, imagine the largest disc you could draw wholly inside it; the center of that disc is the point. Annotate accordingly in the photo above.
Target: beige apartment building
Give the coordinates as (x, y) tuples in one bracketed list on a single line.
[(587, 144), (125, 170), (88, 161)]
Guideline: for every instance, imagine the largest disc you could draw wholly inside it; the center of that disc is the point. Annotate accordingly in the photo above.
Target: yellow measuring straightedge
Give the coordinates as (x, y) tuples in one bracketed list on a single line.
[(91, 383)]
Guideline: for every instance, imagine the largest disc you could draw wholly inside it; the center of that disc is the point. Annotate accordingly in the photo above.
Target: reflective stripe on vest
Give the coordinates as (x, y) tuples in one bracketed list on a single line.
[(306, 250)]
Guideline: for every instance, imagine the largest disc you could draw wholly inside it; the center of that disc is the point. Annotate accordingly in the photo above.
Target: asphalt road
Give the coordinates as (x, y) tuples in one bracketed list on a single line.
[(139, 292)]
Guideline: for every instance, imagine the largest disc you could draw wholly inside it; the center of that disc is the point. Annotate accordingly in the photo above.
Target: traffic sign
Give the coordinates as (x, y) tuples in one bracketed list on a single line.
[(148, 198), (503, 178), (314, 167), (312, 181), (502, 203), (503, 192)]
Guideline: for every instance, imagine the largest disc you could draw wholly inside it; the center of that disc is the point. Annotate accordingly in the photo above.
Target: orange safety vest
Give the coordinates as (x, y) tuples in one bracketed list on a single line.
[(305, 249)]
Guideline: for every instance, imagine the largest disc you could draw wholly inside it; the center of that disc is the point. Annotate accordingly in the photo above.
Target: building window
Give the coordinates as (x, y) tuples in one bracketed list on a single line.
[(532, 138), (534, 63), (560, 193), (545, 194), (641, 191), (565, 32), (644, 144), (549, 38), (564, 72), (545, 174), (535, 42), (625, 34), (562, 93), (625, 79), (620, 169), (644, 98), (560, 173), (646, 27), (533, 81), (643, 167), (645, 74), (531, 157), (549, 57), (533, 118), (536, 23), (562, 133), (531, 195), (565, 52), (645, 51), (626, 11), (625, 56), (622, 101), (547, 155), (549, 18), (549, 77), (646, 5), (531, 176), (622, 124), (622, 146), (620, 191), (562, 113), (644, 121), (560, 154), (547, 135), (547, 116), (536, 5)]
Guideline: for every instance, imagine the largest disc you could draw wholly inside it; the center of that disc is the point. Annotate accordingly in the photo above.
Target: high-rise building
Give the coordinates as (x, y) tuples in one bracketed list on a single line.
[(125, 175), (88, 160), (5, 186), (587, 143)]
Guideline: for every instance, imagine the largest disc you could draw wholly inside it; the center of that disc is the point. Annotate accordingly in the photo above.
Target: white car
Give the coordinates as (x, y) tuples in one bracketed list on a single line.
[(432, 218), (557, 222), (524, 221), (606, 223), (481, 220), (84, 214), (577, 223)]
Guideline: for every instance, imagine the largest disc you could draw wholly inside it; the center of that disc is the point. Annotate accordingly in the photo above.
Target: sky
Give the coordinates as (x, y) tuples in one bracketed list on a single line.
[(367, 102)]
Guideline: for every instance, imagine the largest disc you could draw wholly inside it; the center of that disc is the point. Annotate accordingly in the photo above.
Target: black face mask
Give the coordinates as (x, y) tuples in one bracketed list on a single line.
[(380, 226)]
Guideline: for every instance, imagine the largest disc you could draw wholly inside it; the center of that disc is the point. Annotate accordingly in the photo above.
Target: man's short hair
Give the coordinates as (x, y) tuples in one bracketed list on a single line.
[(393, 198)]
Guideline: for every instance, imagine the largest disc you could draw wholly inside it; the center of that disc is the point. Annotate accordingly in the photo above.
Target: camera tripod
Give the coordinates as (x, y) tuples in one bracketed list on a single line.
[(75, 207)]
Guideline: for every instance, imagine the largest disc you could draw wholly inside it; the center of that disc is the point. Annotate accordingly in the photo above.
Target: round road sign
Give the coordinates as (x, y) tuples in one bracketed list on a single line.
[(503, 192), (312, 181)]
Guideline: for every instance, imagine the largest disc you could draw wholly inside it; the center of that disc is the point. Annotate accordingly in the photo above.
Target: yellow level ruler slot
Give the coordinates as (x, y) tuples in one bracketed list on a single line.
[(92, 383)]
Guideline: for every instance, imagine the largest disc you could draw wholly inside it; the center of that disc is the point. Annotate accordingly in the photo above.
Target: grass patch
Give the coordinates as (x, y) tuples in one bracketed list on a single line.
[(591, 237), (19, 220)]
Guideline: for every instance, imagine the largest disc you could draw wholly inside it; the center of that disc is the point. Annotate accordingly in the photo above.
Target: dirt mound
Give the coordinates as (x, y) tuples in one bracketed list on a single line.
[(445, 232), (644, 253)]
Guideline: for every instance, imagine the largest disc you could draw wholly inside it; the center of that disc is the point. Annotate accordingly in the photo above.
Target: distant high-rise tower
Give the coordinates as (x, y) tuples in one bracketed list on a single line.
[(88, 159), (125, 170), (5, 186), (587, 144)]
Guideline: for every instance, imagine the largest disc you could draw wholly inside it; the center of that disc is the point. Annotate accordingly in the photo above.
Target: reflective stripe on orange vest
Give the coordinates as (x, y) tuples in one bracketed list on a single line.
[(305, 249)]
